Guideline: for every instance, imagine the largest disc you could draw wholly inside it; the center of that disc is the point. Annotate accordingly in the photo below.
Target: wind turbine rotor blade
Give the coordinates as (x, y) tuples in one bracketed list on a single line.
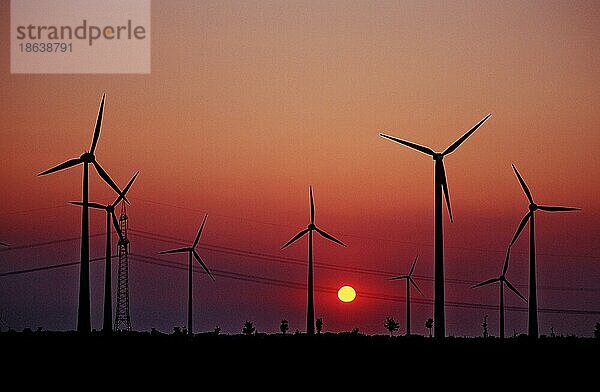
[(329, 237), (486, 282), (98, 125), (414, 284), (203, 265), (91, 205), (126, 189), (505, 268), (312, 206), (107, 179), (116, 225), (4, 244), (179, 250), (558, 209), (295, 238), (399, 277), (417, 147), (445, 188), (521, 226), (464, 137), (64, 165), (523, 185), (200, 231), (412, 269), (510, 286)]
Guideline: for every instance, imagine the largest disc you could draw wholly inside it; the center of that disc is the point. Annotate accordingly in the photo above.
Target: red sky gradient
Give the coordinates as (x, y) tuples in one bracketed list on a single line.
[(249, 103)]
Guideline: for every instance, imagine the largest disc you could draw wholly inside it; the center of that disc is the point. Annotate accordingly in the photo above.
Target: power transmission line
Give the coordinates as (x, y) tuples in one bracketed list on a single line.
[(47, 267), (301, 286), (288, 284), (359, 236), (33, 210), (38, 244), (300, 262), (275, 258)]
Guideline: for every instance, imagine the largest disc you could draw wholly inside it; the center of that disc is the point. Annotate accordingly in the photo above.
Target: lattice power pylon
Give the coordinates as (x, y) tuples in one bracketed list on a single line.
[(122, 319)]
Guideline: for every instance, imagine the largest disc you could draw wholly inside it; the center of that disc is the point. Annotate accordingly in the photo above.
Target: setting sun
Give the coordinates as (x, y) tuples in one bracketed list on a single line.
[(346, 294)]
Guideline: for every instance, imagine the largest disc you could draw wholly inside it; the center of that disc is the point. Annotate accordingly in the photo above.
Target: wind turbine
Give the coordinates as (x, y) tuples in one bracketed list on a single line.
[(409, 281), (439, 185), (192, 252), (310, 315), (110, 215), (87, 158), (529, 217), (502, 279)]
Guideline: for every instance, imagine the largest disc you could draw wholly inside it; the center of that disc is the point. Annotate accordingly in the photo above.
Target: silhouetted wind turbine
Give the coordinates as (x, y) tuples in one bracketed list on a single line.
[(110, 215), (533, 320), (409, 281), (310, 315), (502, 279), (439, 185), (83, 316), (192, 252)]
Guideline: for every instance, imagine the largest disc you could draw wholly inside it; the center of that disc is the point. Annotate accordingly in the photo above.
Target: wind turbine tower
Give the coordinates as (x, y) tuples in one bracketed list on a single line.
[(440, 185), (122, 319)]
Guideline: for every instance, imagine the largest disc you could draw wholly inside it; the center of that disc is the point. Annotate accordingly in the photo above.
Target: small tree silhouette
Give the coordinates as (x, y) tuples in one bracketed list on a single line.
[(391, 325), (429, 325), (284, 326), (248, 328), (597, 331), (319, 324), (217, 330), (552, 334), (485, 327)]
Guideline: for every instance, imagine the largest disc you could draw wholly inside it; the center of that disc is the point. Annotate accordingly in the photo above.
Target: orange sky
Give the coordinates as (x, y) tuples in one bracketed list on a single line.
[(250, 102)]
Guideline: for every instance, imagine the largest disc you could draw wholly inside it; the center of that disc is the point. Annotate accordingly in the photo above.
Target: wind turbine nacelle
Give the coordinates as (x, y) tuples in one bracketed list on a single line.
[(87, 157)]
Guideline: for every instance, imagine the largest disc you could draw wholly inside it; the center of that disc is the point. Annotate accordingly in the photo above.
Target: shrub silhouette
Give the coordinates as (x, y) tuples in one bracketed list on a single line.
[(391, 325), (284, 326), (248, 328), (429, 325), (319, 325)]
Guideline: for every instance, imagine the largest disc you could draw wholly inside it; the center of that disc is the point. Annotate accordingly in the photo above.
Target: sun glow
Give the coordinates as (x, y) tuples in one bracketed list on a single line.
[(346, 294)]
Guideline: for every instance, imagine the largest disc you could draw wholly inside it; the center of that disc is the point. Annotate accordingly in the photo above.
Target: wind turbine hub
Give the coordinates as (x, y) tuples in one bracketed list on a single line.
[(87, 157), (438, 156), (533, 207), (502, 278), (110, 208), (311, 226)]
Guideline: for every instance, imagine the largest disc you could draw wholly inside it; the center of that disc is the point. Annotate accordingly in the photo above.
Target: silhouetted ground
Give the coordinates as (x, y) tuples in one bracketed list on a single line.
[(341, 355)]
